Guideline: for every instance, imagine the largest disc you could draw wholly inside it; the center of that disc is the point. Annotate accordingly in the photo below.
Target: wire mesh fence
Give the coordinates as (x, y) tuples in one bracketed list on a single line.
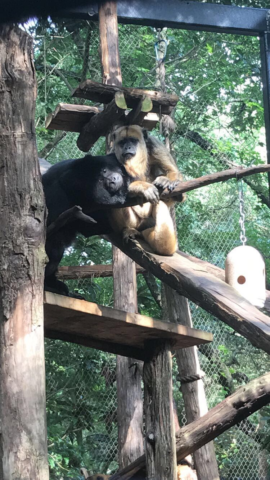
[(81, 382)]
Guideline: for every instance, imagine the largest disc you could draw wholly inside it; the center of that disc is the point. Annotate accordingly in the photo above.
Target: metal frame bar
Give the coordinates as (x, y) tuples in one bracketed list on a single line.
[(184, 14)]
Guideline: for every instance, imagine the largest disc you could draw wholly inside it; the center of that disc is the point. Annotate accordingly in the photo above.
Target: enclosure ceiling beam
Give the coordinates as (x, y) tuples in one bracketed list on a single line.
[(184, 15)]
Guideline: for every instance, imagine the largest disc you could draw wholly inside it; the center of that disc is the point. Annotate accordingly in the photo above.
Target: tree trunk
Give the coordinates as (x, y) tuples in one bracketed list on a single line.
[(22, 258), (160, 449), (129, 394), (177, 310)]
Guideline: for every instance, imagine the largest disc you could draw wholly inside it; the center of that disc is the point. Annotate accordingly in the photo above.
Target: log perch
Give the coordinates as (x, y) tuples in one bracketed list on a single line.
[(98, 92)]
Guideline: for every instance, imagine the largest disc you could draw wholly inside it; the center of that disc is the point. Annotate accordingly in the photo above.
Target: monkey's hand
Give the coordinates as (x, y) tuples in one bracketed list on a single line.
[(163, 182), (130, 233), (147, 191)]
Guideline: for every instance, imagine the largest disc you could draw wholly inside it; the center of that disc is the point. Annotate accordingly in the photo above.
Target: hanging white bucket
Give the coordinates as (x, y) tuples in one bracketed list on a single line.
[(245, 271)]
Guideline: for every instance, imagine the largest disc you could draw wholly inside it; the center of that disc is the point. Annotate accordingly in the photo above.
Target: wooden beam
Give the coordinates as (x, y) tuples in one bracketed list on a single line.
[(235, 408), (67, 317), (97, 92), (88, 271), (72, 118), (196, 283)]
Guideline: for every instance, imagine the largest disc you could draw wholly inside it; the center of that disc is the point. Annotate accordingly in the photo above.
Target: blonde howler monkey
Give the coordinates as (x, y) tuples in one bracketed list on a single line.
[(152, 169)]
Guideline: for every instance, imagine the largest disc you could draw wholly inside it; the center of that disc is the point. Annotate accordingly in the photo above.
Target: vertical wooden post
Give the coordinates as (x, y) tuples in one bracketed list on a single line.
[(177, 310), (160, 445), (23, 441), (129, 394)]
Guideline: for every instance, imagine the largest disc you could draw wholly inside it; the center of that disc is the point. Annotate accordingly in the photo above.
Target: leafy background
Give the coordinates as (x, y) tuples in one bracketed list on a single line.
[(219, 123)]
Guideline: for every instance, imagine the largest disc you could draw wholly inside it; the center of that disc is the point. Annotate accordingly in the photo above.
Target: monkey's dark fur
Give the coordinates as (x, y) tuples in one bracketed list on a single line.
[(88, 182)]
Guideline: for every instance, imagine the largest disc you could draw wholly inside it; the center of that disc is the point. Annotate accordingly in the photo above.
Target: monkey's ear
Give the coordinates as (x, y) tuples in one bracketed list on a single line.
[(145, 134)]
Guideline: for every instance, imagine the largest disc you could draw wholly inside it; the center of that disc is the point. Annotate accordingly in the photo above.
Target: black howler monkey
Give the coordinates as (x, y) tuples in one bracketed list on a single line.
[(88, 182)]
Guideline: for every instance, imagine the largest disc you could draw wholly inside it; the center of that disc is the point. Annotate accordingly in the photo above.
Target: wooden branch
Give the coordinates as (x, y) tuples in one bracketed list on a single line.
[(99, 125), (219, 273), (70, 215), (196, 283), (72, 118), (89, 271), (235, 408), (98, 92), (189, 185), (222, 176)]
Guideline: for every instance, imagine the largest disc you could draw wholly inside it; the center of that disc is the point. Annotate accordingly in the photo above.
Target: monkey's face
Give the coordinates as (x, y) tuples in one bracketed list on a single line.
[(112, 180), (128, 143)]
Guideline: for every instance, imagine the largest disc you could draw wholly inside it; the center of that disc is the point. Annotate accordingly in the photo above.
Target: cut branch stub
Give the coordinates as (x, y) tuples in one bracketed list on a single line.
[(147, 104), (120, 100)]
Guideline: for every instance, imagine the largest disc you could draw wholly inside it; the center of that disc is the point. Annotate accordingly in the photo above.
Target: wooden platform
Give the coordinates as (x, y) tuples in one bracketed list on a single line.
[(111, 330), (72, 118)]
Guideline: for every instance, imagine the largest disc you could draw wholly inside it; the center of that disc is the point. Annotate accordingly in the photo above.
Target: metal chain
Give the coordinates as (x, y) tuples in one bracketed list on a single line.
[(243, 237)]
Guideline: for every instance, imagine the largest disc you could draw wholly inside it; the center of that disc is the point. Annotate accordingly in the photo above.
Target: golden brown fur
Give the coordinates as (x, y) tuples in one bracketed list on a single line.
[(185, 472), (153, 169)]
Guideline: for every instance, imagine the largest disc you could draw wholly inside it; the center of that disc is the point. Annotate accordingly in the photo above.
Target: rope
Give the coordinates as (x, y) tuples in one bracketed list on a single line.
[(191, 378)]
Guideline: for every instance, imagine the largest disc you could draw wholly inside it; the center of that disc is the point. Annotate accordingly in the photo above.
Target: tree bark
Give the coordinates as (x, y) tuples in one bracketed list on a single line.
[(23, 444), (129, 394), (177, 310), (159, 412), (245, 401)]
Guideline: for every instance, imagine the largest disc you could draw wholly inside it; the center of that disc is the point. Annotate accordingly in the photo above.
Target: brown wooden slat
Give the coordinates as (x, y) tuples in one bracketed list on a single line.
[(89, 322), (72, 118)]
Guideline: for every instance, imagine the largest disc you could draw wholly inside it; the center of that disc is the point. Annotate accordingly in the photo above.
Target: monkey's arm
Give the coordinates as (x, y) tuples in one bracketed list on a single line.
[(160, 160), (146, 190)]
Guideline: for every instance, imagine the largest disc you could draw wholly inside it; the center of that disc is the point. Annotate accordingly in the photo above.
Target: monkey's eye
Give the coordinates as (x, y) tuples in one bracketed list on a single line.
[(104, 170)]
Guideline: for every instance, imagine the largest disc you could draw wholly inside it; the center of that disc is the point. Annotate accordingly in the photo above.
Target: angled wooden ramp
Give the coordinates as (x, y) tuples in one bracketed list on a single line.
[(202, 283), (111, 330)]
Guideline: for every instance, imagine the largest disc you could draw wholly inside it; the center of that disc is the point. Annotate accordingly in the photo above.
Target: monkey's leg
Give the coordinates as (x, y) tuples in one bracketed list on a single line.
[(162, 237)]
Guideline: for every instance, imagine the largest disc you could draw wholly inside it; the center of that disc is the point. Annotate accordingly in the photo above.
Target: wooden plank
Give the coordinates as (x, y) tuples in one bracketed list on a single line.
[(193, 280), (85, 319), (97, 92), (72, 118), (88, 271)]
